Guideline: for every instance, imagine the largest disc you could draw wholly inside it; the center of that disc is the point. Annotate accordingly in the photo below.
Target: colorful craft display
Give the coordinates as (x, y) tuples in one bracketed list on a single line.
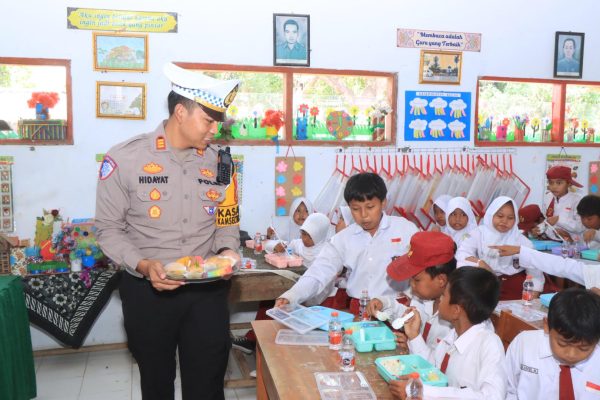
[(448, 121), (289, 182), (594, 177), (339, 124)]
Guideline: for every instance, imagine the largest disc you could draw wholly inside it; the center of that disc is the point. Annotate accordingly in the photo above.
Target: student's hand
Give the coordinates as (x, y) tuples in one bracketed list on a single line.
[(506, 250), (279, 248), (536, 231), (280, 302), (564, 234), (412, 327), (552, 220), (589, 235), (155, 272), (535, 294), (232, 254), (270, 233), (374, 306), (398, 388), (402, 342), (484, 265), (472, 259)]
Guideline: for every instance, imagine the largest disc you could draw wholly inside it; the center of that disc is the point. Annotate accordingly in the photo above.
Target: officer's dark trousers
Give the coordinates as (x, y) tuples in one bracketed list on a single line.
[(193, 319)]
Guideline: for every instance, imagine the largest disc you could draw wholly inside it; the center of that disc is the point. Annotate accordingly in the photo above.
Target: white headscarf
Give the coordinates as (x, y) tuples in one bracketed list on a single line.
[(490, 236), (293, 228), (346, 215), (317, 226), (442, 202), (465, 206)]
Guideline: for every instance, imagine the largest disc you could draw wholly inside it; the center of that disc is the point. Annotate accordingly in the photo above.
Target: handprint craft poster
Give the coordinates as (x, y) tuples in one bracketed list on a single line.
[(289, 182), (435, 116)]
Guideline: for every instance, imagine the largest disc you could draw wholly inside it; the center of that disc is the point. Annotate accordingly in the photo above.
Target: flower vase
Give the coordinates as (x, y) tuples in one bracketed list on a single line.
[(519, 134), (501, 131), (301, 126), (378, 128), (41, 112), (271, 131)]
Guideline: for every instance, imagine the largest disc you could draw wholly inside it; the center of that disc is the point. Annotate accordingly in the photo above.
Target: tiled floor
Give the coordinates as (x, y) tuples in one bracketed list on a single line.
[(108, 375)]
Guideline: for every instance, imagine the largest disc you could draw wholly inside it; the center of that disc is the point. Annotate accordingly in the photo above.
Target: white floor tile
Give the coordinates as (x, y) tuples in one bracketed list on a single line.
[(64, 366), (50, 387), (246, 393), (109, 362), (119, 395), (97, 384), (230, 394)]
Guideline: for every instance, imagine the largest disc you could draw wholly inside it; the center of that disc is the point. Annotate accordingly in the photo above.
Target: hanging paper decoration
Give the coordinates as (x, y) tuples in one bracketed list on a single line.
[(289, 182), (238, 162), (7, 216), (594, 178), (437, 116), (568, 160), (339, 124)]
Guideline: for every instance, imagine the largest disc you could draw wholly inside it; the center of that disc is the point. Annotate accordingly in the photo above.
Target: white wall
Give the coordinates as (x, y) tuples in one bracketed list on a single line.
[(518, 41)]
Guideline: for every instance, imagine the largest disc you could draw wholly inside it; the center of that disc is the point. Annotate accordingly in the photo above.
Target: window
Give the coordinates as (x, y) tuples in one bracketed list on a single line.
[(537, 112), (330, 107), (35, 101)]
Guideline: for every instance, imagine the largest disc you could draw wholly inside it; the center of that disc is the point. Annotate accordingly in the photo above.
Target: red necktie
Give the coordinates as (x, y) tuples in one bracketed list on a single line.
[(550, 209), (426, 330), (445, 365), (565, 384)]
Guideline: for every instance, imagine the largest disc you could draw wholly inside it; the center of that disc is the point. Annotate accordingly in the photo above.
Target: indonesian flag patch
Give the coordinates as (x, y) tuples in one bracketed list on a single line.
[(107, 167), (592, 387)]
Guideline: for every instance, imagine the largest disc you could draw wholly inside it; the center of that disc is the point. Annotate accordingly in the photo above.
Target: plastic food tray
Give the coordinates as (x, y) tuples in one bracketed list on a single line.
[(378, 338), (344, 385), (303, 319), (393, 367), (281, 260), (312, 338), (591, 254), (544, 245), (545, 299)]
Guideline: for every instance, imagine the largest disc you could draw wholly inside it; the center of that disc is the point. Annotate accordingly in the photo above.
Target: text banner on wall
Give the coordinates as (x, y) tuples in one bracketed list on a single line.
[(435, 116), (121, 21), (439, 40)]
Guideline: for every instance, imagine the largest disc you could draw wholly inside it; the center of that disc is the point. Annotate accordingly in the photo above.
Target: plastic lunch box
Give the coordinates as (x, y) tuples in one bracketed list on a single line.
[(393, 367)]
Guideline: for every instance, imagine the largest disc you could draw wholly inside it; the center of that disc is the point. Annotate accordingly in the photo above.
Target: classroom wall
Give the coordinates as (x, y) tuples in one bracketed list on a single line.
[(517, 41)]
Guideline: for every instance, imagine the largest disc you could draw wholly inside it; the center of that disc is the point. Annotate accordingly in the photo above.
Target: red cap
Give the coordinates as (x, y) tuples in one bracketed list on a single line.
[(427, 249), (529, 216), (562, 172)]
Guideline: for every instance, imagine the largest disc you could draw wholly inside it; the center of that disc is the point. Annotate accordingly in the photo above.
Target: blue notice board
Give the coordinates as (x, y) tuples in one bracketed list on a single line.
[(434, 116)]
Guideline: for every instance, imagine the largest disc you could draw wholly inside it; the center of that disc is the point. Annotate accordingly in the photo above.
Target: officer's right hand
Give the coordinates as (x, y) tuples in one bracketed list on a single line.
[(374, 306), (280, 302), (154, 271)]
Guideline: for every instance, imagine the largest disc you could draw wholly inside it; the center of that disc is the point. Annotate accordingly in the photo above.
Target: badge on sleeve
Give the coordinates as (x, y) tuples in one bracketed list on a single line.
[(210, 210), (107, 167)]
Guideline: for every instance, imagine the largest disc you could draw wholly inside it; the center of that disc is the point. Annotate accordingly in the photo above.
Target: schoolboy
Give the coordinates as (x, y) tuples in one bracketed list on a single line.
[(530, 216), (563, 360), (560, 203), (365, 248), (588, 210), (427, 265), (470, 355)]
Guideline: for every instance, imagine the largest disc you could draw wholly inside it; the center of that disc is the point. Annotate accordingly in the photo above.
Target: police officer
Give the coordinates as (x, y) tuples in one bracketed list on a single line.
[(157, 200)]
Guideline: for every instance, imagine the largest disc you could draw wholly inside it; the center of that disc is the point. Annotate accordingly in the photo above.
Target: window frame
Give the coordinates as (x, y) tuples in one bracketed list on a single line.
[(559, 96), (69, 123), (288, 79)]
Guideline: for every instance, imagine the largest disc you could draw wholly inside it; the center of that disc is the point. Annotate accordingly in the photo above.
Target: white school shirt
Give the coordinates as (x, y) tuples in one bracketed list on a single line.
[(476, 366), (439, 327), (473, 246), (366, 258), (534, 373), (595, 242), (577, 271), (566, 210)]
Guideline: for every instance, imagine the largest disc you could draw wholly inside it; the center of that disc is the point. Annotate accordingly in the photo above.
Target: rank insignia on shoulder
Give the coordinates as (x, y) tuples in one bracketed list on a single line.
[(154, 212), (210, 210), (152, 168), (107, 167), (200, 152), (207, 173)]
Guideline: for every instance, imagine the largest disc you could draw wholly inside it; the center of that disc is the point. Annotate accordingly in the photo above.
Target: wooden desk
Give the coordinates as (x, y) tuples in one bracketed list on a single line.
[(287, 372)]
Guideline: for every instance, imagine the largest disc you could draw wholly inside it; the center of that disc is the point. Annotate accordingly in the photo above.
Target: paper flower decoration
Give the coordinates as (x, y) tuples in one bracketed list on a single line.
[(296, 191), (298, 166), (281, 179), (297, 179), (281, 167), (272, 118), (280, 191), (47, 99), (281, 202)]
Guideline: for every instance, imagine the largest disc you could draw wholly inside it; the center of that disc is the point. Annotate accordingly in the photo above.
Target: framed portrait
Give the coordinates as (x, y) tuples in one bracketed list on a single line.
[(120, 100), (291, 39), (120, 52), (568, 54), (440, 67)]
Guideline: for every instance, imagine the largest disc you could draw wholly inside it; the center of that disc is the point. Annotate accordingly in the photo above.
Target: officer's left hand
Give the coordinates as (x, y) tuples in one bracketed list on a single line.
[(232, 254)]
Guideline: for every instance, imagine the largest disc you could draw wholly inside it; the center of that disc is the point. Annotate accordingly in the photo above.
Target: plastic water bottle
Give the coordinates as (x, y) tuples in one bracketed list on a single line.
[(414, 388), (258, 245), (363, 302), (347, 352), (527, 290), (335, 332)]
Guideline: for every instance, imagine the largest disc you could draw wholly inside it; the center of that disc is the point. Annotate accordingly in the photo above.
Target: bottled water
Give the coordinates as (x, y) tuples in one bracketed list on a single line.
[(527, 290), (363, 302), (347, 352), (414, 388), (335, 332), (258, 245)]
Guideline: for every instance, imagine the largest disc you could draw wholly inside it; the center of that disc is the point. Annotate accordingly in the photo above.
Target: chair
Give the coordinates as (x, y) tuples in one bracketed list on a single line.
[(509, 326)]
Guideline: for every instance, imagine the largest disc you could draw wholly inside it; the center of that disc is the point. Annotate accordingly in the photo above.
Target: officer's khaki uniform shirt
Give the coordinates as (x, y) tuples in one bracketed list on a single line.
[(151, 205)]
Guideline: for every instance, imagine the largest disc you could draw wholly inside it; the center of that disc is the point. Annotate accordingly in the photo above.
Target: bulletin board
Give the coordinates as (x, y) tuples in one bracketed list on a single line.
[(289, 182), (594, 178), (7, 217), (437, 116), (568, 160)]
